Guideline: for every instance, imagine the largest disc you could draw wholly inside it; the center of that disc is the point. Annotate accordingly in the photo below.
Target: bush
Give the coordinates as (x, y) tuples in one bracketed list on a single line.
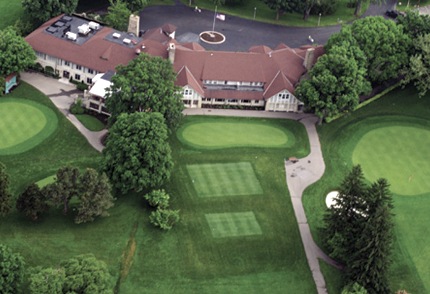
[(158, 198), (77, 107), (164, 218), (325, 7), (82, 86)]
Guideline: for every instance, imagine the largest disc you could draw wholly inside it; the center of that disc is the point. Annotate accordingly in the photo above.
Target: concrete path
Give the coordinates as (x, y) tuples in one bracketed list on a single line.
[(299, 176), (63, 95)]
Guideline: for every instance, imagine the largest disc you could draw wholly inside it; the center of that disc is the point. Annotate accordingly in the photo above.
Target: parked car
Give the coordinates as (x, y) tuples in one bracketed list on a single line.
[(392, 13)]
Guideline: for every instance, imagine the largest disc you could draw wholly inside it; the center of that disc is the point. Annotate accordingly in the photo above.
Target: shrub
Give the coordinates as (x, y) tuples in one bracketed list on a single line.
[(49, 70), (164, 218), (77, 107), (82, 86), (158, 198)]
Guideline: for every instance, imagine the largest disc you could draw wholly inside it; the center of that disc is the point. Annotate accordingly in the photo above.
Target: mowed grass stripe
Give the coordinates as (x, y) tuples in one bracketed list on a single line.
[(398, 153), (227, 179), (235, 224)]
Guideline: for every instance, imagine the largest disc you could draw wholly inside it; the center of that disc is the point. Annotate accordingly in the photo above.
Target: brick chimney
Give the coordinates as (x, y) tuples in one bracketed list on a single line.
[(309, 58), (133, 24), (172, 49)]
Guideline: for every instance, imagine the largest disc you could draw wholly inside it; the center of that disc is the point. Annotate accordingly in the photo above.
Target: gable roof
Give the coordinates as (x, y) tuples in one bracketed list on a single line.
[(186, 78)]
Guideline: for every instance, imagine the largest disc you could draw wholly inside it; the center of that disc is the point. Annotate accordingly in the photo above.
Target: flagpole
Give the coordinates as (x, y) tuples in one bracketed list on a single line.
[(213, 26)]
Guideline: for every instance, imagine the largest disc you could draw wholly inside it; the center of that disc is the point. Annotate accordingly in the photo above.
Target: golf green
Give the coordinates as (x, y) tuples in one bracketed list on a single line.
[(24, 124), (225, 134), (399, 154)]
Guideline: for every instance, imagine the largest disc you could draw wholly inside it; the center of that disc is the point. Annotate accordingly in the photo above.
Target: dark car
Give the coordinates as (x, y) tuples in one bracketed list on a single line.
[(392, 13)]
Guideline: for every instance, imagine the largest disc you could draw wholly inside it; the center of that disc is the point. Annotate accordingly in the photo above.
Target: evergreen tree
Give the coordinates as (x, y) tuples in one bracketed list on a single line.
[(5, 194)]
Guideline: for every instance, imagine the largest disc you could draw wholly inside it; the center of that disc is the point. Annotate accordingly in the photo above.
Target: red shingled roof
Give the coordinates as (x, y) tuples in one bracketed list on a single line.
[(186, 78)]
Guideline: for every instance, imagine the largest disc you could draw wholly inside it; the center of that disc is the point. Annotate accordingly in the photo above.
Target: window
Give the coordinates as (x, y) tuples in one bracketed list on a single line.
[(283, 96), (78, 67), (246, 101), (256, 102), (89, 80), (219, 100), (66, 63), (90, 71), (232, 100), (188, 92), (77, 77)]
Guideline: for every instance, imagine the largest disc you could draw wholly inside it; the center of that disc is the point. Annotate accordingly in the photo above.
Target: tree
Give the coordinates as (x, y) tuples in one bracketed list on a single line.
[(344, 221), (280, 6), (354, 288), (383, 43), (15, 53), (146, 84), (11, 271), (47, 280), (358, 4), (43, 10), (335, 82), (158, 198), (164, 218), (65, 187), (86, 274), (137, 154), (95, 197), (306, 6), (370, 262), (118, 15), (414, 24), (5, 194), (418, 70), (32, 202), (136, 5)]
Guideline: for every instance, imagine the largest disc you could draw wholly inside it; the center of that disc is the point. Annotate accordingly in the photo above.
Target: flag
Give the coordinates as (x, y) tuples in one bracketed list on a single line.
[(220, 16)]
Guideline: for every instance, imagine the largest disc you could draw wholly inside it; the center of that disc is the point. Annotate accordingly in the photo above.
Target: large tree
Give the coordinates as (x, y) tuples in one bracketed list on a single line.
[(137, 154), (43, 10), (383, 43), (95, 196), (280, 6), (335, 82), (146, 84), (5, 194), (136, 5), (11, 271), (15, 53), (86, 274), (47, 280), (118, 15), (370, 262), (32, 202)]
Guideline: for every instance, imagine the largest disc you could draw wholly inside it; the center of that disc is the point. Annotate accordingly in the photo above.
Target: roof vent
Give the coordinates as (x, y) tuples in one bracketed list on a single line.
[(126, 41), (84, 29), (71, 36), (94, 25), (116, 35)]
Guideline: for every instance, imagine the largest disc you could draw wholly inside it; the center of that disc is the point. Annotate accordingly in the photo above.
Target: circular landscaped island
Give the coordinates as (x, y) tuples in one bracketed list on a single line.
[(211, 37)]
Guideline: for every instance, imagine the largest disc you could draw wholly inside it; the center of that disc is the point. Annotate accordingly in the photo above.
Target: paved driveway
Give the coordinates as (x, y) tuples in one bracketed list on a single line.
[(240, 34)]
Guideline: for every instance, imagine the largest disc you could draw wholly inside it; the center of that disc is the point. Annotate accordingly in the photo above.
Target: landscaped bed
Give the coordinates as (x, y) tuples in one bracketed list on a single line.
[(388, 138)]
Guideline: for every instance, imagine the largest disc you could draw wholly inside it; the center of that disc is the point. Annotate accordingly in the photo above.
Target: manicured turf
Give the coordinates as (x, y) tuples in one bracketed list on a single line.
[(233, 224), (90, 122), (400, 154), (10, 12), (401, 121), (227, 179), (227, 133), (24, 124), (46, 181)]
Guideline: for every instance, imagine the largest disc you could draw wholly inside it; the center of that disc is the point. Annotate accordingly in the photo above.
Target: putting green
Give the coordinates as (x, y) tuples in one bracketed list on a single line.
[(399, 154), (226, 179), (24, 124), (233, 224), (224, 134)]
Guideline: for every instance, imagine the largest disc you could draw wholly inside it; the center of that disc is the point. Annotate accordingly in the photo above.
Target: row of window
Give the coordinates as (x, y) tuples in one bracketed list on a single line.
[(230, 100), (66, 63)]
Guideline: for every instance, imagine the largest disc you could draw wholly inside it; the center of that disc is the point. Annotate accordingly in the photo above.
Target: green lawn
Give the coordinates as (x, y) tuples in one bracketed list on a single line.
[(24, 124), (45, 181), (10, 12), (224, 179), (215, 134), (90, 122), (394, 127), (235, 244), (263, 13)]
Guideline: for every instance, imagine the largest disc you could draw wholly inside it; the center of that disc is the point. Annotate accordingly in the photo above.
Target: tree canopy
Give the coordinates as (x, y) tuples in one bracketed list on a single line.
[(32, 202), (280, 6), (136, 5), (146, 84), (47, 280), (137, 154), (5, 194), (118, 15), (11, 270), (15, 53), (43, 10)]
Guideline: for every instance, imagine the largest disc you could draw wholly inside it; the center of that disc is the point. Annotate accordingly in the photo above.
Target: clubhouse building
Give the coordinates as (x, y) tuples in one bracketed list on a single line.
[(87, 51)]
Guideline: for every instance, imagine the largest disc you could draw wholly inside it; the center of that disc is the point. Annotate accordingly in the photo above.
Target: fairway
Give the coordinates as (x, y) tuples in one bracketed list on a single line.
[(227, 179), (399, 154), (242, 133), (23, 125), (233, 224)]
